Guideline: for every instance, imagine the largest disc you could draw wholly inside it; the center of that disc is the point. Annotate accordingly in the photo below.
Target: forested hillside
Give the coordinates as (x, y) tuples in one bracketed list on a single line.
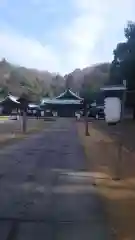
[(18, 80)]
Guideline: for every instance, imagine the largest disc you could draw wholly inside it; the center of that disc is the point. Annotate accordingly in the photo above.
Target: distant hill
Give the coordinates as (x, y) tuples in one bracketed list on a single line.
[(91, 77), (18, 80)]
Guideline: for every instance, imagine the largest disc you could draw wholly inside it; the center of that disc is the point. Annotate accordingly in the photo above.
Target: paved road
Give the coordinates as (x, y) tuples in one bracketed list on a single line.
[(44, 194)]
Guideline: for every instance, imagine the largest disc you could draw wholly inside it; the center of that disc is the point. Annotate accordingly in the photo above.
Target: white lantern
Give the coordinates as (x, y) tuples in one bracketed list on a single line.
[(112, 109)]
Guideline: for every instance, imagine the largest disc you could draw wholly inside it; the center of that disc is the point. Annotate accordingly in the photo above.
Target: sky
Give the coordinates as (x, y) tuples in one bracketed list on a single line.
[(62, 35)]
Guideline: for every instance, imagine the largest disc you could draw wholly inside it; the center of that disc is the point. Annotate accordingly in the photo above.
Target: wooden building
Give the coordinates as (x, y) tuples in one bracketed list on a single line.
[(9, 104), (12, 104), (64, 105), (33, 109), (113, 91)]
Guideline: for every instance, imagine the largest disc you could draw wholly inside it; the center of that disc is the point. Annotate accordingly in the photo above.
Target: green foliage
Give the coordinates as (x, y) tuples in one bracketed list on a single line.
[(88, 94), (18, 80), (3, 92), (123, 65), (46, 95), (92, 82), (69, 81), (37, 84)]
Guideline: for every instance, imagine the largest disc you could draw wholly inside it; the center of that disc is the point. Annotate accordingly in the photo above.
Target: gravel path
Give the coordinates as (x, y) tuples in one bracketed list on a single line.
[(43, 191)]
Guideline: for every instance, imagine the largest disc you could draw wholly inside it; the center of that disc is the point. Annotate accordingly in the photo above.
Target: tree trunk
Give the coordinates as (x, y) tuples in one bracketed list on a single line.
[(86, 123), (134, 113), (24, 122)]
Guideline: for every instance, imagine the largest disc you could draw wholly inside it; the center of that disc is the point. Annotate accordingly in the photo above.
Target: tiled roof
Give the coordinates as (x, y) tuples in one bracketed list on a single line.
[(68, 94), (59, 101), (12, 98)]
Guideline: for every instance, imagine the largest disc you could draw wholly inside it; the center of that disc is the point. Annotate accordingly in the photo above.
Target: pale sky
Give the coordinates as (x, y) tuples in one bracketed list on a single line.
[(61, 35)]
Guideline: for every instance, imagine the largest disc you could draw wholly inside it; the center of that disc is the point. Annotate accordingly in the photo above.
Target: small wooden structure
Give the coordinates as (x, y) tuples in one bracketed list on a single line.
[(9, 104), (113, 91), (33, 109), (13, 104)]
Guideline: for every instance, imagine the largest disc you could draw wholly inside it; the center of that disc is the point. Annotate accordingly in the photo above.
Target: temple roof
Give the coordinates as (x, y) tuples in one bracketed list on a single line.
[(67, 97), (11, 99), (68, 94), (60, 101)]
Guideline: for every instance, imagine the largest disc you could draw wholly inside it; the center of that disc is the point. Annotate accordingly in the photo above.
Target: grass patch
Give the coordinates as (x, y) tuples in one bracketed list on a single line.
[(3, 118)]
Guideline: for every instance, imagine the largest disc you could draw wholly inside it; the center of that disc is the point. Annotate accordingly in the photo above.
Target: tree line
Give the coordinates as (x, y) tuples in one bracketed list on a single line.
[(123, 64), (121, 68)]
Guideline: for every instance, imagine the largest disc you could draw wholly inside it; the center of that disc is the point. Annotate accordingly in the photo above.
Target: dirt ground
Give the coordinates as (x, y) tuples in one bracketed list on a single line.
[(13, 126), (124, 132), (10, 131), (110, 159)]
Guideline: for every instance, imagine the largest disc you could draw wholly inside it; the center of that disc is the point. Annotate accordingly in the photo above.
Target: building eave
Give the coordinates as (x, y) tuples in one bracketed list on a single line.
[(60, 102), (113, 88)]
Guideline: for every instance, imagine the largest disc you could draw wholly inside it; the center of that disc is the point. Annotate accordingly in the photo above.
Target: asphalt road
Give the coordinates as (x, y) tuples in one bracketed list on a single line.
[(44, 192)]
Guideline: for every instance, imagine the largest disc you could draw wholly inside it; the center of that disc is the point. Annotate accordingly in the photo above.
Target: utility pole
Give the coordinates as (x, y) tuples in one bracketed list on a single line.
[(85, 106), (24, 121), (123, 99), (119, 158), (86, 123), (24, 105)]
